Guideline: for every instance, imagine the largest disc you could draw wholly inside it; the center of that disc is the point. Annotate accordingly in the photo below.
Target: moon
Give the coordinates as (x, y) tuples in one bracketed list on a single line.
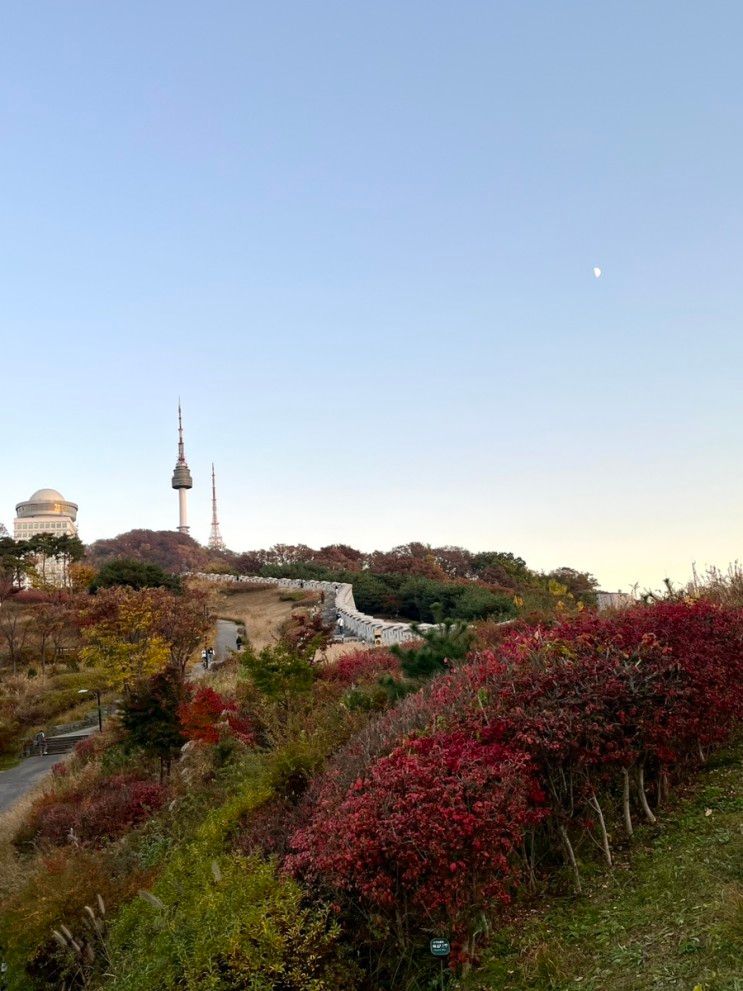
[(597, 271)]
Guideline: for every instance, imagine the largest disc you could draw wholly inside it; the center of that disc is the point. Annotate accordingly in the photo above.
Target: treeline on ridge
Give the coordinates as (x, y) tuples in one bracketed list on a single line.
[(412, 581)]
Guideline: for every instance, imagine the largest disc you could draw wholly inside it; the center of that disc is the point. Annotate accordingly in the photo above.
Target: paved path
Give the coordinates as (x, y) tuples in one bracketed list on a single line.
[(226, 640), (15, 782)]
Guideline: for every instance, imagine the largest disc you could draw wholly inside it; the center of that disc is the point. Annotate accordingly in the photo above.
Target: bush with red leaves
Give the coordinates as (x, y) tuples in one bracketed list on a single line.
[(207, 714), (359, 665), (566, 716), (432, 826), (92, 815)]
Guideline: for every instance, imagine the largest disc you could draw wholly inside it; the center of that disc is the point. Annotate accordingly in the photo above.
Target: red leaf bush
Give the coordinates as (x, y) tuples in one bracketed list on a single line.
[(419, 818), (89, 815), (208, 713), (359, 665), (433, 826)]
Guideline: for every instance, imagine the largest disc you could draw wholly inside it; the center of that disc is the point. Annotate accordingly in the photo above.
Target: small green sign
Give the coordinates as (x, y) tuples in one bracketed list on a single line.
[(440, 947)]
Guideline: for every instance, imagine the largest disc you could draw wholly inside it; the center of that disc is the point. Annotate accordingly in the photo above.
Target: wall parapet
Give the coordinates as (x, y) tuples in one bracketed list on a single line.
[(359, 624)]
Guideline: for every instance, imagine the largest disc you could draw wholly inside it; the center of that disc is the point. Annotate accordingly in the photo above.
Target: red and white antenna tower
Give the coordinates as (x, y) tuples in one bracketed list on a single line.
[(215, 537)]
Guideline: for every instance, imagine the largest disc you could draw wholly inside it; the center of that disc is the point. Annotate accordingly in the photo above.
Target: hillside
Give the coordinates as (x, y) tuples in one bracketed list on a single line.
[(669, 917), (538, 797)]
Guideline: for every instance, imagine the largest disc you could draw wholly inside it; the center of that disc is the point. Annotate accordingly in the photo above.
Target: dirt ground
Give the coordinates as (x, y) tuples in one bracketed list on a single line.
[(335, 650), (263, 612)]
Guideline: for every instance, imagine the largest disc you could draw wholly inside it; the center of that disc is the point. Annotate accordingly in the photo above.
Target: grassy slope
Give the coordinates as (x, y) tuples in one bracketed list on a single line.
[(670, 919)]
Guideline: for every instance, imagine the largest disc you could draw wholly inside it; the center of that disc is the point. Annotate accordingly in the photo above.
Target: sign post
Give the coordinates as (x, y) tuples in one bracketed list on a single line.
[(440, 948)]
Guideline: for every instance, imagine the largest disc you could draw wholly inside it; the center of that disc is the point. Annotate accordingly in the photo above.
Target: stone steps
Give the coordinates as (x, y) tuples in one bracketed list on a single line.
[(56, 745)]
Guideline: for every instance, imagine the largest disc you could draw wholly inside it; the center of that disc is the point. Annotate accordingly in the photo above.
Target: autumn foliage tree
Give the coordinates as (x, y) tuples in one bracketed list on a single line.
[(121, 636), (205, 714), (151, 717), (130, 633)]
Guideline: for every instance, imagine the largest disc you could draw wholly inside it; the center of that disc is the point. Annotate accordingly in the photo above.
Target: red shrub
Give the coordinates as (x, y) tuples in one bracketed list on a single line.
[(208, 713), (104, 811), (426, 825), (267, 829), (431, 827), (360, 665)]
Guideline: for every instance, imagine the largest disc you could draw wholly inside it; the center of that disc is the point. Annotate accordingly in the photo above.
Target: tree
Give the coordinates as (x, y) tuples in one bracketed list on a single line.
[(408, 559), (15, 560), (48, 617), (502, 568), (134, 574), (438, 650), (182, 621), (580, 584), (120, 630), (150, 715), (281, 671), (15, 627), (64, 547)]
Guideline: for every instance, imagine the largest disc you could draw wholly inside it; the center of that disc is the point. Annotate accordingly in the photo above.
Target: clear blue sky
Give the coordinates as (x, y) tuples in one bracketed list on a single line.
[(357, 238)]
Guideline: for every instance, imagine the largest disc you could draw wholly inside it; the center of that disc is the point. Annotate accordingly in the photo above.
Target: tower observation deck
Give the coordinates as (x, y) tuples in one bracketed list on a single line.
[(182, 480)]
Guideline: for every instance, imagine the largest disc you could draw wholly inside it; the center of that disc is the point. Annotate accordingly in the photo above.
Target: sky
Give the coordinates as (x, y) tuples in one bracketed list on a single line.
[(357, 239)]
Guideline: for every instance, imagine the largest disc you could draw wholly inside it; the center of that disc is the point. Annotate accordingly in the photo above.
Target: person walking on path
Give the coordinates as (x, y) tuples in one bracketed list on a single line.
[(205, 659), (41, 743)]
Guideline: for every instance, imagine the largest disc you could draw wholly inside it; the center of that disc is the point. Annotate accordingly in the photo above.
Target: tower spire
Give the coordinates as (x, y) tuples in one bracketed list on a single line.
[(181, 454), (182, 480), (215, 537)]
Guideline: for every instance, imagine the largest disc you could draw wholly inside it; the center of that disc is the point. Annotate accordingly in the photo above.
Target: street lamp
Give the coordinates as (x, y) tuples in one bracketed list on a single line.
[(96, 692)]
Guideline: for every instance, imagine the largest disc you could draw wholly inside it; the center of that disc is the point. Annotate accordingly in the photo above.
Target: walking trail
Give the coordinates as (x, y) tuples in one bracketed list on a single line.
[(15, 782)]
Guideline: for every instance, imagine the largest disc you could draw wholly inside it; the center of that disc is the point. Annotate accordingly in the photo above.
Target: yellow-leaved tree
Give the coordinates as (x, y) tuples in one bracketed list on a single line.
[(122, 636)]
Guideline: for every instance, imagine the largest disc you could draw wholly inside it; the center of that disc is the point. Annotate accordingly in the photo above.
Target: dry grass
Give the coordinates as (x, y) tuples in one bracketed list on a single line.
[(13, 870), (334, 651), (262, 611)]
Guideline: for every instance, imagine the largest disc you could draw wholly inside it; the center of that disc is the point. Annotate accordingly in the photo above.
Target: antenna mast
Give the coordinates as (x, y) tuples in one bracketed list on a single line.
[(215, 537)]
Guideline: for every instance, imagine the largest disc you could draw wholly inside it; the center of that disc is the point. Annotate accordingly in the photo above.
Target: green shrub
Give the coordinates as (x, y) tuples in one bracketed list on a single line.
[(292, 767), (235, 925), (436, 651)]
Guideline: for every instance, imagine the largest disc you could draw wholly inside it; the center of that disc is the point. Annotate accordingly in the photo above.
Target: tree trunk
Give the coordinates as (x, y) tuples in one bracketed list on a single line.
[(529, 863), (643, 797), (664, 784), (702, 758), (571, 858), (662, 794), (594, 803), (625, 803)]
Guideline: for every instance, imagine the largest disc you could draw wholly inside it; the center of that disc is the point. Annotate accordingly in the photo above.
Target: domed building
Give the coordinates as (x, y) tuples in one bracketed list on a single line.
[(47, 511)]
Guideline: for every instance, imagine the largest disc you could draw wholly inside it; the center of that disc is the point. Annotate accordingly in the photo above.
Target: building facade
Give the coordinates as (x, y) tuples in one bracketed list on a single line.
[(47, 511)]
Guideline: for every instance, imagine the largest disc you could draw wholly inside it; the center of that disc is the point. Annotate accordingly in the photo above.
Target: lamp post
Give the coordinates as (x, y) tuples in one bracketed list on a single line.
[(96, 692)]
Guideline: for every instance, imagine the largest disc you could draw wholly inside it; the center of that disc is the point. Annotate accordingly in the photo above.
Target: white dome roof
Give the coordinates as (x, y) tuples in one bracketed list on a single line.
[(47, 495)]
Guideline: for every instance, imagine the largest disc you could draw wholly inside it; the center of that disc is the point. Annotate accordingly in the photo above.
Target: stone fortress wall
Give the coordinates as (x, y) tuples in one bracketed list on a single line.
[(340, 594)]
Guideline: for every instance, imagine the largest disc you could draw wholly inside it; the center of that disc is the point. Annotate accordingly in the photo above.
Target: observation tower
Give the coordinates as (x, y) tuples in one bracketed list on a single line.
[(182, 480)]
